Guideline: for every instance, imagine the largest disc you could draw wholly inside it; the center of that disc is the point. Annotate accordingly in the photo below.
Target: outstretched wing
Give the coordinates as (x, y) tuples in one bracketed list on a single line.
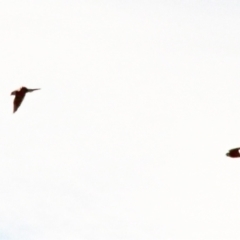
[(34, 89), (17, 101)]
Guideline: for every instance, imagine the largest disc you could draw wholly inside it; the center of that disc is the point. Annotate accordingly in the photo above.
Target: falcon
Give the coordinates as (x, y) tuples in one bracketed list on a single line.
[(19, 96), (234, 153)]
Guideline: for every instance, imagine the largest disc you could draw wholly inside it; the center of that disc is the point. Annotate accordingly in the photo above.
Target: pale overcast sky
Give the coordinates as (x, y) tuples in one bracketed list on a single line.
[(140, 102)]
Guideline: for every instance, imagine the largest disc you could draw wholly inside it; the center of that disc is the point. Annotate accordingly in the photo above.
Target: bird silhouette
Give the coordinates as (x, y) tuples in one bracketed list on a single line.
[(19, 96), (233, 153)]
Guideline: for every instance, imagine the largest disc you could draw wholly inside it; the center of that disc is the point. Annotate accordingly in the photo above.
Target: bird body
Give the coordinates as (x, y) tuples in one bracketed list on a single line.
[(19, 96), (234, 153)]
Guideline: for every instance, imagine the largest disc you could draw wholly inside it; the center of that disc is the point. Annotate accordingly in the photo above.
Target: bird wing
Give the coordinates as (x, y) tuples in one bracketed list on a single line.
[(17, 101), (34, 89)]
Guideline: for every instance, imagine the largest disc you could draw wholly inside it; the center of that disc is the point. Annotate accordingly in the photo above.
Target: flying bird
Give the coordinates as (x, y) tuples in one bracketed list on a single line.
[(19, 96), (233, 153)]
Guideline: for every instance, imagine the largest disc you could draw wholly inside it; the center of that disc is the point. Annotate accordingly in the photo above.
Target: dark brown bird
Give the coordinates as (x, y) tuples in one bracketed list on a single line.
[(234, 153), (19, 96)]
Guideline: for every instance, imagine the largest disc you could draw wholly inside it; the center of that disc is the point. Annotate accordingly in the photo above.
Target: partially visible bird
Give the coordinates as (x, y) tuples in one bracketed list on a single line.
[(233, 153), (19, 96)]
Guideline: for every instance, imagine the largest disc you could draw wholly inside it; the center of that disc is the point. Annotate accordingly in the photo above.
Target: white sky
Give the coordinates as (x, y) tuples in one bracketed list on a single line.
[(140, 101)]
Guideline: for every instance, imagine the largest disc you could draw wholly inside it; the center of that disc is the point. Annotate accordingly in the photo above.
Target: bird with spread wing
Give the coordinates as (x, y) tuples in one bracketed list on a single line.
[(19, 96), (234, 153)]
